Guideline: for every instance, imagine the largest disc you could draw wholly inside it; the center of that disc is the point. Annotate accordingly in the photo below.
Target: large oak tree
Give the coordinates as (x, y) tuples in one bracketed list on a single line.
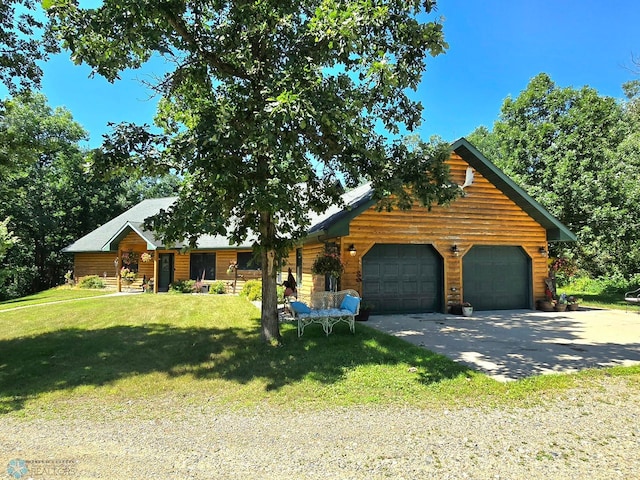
[(266, 108)]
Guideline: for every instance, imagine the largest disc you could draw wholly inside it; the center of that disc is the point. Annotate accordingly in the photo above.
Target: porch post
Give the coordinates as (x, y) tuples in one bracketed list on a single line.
[(118, 280), (155, 271)]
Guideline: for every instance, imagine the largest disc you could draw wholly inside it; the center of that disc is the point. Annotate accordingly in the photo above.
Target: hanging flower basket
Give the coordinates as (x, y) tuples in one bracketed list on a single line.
[(328, 264), (145, 257)]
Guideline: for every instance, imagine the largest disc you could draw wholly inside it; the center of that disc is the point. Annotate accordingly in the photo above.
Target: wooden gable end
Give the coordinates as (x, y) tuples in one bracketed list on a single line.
[(483, 216)]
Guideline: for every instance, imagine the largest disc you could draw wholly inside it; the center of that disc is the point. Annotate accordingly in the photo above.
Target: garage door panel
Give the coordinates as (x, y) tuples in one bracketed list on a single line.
[(410, 279), (390, 271), (410, 288)]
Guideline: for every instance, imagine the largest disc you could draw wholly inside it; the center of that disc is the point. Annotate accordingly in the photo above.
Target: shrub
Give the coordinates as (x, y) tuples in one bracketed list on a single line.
[(183, 286), (218, 287), (252, 289), (91, 281)]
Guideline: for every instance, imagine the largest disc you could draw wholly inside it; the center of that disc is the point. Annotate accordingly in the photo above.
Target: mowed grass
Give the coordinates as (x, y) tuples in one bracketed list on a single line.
[(205, 349), (53, 295)]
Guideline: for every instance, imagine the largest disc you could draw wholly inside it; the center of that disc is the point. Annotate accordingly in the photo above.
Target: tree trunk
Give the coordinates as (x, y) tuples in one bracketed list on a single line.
[(270, 326), (269, 319)]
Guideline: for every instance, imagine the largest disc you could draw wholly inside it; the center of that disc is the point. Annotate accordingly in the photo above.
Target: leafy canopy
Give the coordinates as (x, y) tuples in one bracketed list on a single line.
[(49, 197), (572, 150), (267, 106), (264, 95), (22, 45)]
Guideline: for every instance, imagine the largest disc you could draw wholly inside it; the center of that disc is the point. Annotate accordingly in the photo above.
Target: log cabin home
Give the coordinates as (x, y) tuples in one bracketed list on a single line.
[(489, 247)]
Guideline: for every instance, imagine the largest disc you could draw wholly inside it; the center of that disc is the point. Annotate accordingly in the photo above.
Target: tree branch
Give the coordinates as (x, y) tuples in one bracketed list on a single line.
[(181, 29)]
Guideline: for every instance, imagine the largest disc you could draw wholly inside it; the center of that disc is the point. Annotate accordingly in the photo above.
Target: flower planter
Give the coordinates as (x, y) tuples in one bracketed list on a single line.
[(561, 307), (363, 316), (545, 305), (459, 309), (572, 307)]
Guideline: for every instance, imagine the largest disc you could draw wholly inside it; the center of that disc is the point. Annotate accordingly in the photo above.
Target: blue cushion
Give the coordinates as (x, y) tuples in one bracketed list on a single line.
[(350, 303), (299, 307)]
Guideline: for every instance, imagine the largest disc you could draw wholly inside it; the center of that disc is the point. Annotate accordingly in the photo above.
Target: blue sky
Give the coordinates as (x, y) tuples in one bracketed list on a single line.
[(496, 47)]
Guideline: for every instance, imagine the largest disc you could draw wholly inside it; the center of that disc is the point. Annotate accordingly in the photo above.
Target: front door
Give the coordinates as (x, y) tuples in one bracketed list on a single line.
[(166, 272)]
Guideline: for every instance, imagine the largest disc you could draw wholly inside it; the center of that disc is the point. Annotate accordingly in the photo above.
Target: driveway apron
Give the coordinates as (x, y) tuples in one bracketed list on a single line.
[(513, 344)]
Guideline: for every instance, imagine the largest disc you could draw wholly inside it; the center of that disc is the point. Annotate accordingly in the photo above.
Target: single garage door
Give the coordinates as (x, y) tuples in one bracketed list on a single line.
[(497, 278), (402, 278)]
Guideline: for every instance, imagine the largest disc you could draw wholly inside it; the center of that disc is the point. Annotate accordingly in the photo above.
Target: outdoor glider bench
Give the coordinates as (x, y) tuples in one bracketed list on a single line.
[(327, 309), (633, 297)]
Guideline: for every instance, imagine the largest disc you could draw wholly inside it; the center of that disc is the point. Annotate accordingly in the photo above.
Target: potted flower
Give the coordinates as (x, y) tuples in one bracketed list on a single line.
[(546, 304), (127, 275), (573, 303), (365, 311), (145, 257), (465, 309), (68, 278), (561, 303)]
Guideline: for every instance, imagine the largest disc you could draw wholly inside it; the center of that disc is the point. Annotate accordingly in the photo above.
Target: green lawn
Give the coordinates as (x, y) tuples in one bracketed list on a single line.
[(53, 295), (600, 299), (171, 349)]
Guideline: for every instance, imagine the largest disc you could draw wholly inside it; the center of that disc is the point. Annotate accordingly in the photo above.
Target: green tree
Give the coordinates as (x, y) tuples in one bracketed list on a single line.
[(269, 105), (562, 145), (7, 239), (22, 44), (50, 199)]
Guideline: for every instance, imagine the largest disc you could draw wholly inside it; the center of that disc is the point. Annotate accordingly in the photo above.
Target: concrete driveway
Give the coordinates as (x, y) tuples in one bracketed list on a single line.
[(513, 344)]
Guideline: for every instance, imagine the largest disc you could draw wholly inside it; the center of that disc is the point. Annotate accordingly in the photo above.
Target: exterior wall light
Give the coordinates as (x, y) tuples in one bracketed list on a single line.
[(352, 250), (454, 250), (543, 251)]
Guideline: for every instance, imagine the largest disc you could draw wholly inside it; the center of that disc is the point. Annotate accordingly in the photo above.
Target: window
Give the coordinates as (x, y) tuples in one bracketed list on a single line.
[(246, 261), (202, 263)]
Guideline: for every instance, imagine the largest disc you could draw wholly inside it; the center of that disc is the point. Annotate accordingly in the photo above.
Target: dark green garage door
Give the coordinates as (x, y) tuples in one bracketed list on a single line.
[(402, 278), (497, 278)]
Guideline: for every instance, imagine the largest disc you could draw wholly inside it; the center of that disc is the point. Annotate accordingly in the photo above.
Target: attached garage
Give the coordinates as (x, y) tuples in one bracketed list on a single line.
[(497, 278), (400, 278)]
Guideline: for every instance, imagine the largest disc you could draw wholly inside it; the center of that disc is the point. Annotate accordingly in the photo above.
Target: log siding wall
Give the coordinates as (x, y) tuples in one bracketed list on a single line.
[(102, 264), (484, 216)]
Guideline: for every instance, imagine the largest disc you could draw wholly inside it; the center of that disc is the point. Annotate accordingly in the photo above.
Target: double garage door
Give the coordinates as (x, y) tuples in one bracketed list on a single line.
[(399, 278)]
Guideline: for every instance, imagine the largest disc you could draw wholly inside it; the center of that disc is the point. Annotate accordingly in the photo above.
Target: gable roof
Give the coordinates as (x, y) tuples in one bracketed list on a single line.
[(107, 237), (334, 222)]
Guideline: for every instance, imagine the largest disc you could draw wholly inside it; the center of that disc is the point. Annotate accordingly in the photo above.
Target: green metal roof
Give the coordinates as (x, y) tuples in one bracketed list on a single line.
[(107, 237)]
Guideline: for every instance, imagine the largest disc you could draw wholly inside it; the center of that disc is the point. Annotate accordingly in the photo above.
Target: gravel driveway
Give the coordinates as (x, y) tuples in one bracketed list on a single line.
[(591, 434)]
